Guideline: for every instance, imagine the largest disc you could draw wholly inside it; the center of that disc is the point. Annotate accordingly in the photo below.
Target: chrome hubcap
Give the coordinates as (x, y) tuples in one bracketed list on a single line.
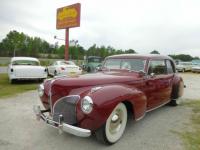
[(116, 121)]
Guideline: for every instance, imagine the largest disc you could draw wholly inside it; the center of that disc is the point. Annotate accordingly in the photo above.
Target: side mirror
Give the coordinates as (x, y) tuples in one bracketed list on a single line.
[(142, 73)]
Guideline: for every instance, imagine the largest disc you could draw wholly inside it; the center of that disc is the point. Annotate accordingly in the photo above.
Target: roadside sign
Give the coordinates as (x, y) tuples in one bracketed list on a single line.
[(68, 16)]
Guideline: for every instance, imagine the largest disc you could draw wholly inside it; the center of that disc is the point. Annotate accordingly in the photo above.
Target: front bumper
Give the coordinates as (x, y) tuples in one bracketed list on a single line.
[(60, 125)]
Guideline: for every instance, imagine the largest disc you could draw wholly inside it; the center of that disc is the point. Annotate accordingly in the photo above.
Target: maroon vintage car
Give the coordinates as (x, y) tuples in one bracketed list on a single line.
[(99, 103)]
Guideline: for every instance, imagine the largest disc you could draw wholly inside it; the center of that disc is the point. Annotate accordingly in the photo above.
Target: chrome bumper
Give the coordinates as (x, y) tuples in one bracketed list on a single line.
[(60, 125)]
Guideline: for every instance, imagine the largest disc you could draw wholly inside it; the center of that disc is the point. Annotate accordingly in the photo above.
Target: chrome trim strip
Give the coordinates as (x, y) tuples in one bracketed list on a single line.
[(63, 98), (158, 106), (141, 117), (151, 110)]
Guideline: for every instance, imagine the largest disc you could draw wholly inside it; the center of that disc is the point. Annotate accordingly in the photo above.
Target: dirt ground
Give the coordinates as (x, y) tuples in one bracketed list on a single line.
[(20, 131)]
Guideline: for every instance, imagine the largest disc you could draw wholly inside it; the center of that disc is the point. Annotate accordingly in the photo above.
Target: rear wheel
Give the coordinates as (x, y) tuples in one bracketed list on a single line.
[(177, 92), (114, 127)]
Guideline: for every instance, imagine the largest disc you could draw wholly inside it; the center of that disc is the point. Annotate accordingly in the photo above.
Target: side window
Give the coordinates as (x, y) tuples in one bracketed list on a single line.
[(157, 67), (170, 68)]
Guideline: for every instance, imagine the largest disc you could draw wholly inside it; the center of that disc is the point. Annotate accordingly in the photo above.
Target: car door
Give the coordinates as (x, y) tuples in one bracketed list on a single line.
[(159, 84)]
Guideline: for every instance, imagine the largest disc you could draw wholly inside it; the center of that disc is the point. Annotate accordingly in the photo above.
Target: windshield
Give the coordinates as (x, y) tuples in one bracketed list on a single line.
[(95, 60), (26, 62), (125, 64)]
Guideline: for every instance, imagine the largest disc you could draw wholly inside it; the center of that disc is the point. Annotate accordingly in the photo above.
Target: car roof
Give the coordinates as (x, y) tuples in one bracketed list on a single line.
[(24, 58), (139, 56)]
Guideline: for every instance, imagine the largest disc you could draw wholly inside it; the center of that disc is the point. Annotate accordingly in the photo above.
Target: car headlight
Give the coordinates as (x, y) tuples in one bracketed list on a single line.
[(41, 90), (87, 104)]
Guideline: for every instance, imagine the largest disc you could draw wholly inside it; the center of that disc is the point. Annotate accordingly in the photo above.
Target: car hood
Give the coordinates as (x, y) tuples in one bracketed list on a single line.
[(79, 84), (94, 79)]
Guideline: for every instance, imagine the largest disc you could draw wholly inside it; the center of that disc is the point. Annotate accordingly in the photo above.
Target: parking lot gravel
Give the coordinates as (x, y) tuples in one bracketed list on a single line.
[(19, 129)]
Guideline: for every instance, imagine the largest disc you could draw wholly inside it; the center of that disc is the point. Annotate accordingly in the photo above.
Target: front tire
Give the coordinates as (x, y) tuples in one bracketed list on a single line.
[(114, 127)]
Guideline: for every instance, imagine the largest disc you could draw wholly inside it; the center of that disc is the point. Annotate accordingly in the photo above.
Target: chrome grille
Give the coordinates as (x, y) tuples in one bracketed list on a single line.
[(66, 107)]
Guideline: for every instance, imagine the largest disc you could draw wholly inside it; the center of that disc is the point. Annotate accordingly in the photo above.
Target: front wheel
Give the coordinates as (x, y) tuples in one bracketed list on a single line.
[(114, 127)]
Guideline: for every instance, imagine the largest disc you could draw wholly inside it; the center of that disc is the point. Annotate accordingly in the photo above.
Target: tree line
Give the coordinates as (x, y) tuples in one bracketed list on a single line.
[(20, 44)]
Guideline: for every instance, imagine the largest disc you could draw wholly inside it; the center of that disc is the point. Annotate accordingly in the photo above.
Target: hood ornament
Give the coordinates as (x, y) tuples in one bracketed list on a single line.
[(94, 89)]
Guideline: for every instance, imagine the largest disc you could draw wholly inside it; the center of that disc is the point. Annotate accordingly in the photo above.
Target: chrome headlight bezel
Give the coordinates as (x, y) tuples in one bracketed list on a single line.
[(41, 90), (87, 105)]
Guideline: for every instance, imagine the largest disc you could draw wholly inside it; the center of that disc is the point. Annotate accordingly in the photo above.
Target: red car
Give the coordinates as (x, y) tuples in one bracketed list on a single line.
[(99, 103)]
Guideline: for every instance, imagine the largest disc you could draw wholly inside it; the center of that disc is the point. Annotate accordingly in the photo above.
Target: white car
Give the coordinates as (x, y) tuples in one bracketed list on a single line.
[(184, 66), (63, 68), (196, 68), (24, 68)]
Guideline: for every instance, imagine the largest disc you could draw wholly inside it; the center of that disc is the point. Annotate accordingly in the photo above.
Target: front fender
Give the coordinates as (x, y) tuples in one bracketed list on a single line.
[(105, 100)]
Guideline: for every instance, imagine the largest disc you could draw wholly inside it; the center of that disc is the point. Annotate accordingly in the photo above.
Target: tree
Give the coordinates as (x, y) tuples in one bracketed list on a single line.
[(130, 51), (182, 57), (154, 52)]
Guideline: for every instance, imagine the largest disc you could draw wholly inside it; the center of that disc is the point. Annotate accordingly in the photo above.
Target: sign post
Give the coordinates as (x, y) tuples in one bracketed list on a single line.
[(68, 17)]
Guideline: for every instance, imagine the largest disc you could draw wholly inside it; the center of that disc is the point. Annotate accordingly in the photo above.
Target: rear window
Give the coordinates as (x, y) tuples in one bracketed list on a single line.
[(25, 62)]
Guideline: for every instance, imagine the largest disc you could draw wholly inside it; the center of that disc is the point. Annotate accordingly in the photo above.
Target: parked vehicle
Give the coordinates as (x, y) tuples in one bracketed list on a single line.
[(99, 103), (63, 68), (196, 68), (184, 66), (26, 68), (91, 63)]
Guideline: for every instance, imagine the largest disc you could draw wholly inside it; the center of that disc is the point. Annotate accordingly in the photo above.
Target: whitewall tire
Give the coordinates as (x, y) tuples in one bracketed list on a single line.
[(115, 125)]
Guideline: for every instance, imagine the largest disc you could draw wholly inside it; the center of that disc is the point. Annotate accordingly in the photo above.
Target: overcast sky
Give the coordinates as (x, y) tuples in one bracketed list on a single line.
[(169, 26)]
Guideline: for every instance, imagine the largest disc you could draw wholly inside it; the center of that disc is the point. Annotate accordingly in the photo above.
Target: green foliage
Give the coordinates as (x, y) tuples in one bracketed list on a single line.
[(182, 57), (19, 44), (24, 45), (154, 52)]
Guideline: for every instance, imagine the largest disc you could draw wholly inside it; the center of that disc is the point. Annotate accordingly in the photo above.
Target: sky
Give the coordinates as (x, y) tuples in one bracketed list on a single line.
[(169, 26)]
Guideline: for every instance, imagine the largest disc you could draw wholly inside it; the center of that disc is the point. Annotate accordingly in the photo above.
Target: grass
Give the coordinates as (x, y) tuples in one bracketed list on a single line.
[(191, 135), (7, 89)]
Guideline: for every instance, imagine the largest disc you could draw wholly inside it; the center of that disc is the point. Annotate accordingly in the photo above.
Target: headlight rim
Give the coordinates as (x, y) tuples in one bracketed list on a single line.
[(89, 99)]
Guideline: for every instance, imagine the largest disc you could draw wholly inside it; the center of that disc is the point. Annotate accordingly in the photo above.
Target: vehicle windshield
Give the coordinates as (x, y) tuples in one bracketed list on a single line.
[(67, 63), (26, 62), (125, 64), (94, 59)]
